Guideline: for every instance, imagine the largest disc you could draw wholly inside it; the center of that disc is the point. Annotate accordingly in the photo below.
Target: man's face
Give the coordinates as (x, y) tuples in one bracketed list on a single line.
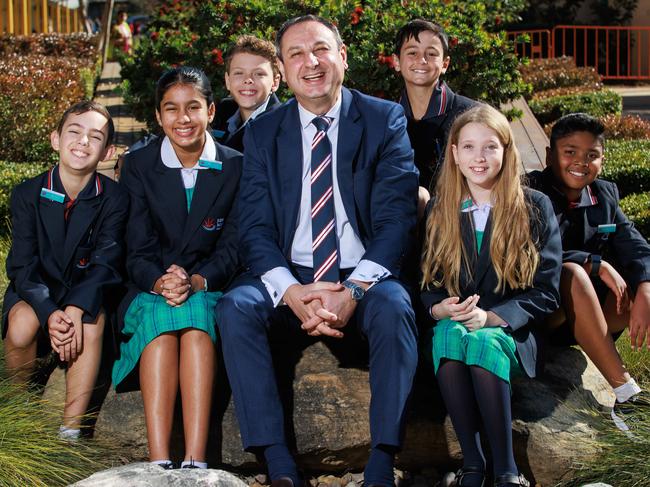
[(576, 161), (421, 62), (312, 65)]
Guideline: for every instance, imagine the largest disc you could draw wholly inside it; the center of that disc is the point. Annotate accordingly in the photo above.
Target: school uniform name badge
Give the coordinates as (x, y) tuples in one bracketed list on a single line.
[(208, 164), (48, 194), (607, 228)]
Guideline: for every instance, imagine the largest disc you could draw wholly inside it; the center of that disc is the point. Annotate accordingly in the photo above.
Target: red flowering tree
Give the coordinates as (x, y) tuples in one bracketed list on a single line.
[(198, 33)]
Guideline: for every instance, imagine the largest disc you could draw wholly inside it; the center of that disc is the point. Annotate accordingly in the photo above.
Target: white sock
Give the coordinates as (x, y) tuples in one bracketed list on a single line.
[(194, 463), (66, 433), (160, 462), (626, 391)]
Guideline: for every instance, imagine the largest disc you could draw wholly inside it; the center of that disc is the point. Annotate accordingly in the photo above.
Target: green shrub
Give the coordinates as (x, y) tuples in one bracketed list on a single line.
[(588, 87), (553, 73), (12, 174), (628, 127), (637, 209), (198, 33), (34, 91), (597, 104), (78, 45), (627, 163)]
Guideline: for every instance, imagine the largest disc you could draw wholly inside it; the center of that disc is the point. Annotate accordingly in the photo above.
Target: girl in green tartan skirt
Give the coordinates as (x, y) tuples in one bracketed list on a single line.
[(181, 253), (490, 271)]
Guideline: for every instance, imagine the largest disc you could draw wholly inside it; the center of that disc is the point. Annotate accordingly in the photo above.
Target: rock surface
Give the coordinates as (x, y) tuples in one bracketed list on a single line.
[(330, 414), (148, 475)]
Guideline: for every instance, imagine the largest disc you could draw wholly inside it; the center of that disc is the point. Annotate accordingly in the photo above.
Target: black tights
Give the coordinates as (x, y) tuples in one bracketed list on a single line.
[(472, 395)]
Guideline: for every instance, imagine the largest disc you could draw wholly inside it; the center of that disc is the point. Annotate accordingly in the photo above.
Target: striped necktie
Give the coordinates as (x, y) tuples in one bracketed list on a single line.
[(323, 221)]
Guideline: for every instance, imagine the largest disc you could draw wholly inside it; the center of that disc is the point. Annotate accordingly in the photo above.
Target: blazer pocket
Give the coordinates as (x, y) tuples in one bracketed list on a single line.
[(80, 262)]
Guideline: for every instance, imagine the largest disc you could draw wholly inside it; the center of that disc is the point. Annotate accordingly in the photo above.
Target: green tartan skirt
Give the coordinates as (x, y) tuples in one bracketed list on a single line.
[(149, 316), (490, 348)]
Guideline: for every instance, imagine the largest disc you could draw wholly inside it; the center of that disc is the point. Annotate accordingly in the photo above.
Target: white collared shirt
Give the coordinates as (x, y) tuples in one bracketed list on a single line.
[(480, 214), (189, 174), (351, 249)]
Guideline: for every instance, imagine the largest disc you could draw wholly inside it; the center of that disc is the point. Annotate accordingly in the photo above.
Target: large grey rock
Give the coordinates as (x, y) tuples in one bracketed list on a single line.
[(148, 475), (330, 414)]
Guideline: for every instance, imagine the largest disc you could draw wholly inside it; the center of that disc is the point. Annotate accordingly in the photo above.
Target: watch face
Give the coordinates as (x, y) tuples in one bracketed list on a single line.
[(357, 293)]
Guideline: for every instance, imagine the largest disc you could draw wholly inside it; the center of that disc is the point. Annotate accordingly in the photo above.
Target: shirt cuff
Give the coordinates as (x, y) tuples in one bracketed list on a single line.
[(369, 271), (277, 281)]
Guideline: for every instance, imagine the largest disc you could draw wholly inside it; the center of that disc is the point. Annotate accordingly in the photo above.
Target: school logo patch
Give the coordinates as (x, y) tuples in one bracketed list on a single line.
[(209, 224), (83, 263)]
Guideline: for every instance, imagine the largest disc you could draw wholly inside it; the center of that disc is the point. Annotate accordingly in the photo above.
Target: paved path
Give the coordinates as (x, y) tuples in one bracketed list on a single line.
[(636, 100), (127, 129)]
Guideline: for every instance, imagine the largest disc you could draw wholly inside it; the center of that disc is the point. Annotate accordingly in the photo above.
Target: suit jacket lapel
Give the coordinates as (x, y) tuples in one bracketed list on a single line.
[(52, 217), (208, 186), (290, 168), (484, 261), (469, 243), (82, 216), (350, 135), (169, 185)]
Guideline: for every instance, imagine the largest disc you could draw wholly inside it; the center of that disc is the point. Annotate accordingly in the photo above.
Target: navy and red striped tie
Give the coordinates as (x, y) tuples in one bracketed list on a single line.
[(323, 220)]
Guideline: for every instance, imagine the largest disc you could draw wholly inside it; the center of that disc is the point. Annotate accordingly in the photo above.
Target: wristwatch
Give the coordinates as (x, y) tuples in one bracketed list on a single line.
[(595, 265), (356, 291)]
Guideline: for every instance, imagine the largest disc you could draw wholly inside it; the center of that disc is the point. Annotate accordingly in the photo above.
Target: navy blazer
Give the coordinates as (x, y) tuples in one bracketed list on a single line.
[(235, 140), (625, 248), (429, 135), (50, 266), (520, 309), (160, 231), (376, 176)]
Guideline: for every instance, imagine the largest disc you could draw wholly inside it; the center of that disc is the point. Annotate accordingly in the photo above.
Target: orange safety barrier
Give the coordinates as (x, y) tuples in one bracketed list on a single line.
[(24, 17), (616, 52), (538, 43)]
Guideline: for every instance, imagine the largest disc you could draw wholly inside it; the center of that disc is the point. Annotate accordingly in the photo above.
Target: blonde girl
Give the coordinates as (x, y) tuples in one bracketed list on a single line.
[(490, 266)]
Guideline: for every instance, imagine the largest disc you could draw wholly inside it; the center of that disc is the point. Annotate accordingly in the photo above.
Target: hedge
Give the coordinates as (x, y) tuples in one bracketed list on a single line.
[(598, 104), (11, 174), (34, 91), (78, 45), (627, 163), (191, 32), (554, 73), (637, 209)]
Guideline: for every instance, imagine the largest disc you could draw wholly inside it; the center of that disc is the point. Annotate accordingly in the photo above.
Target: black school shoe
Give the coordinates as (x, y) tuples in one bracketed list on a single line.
[(167, 465), (623, 412), (465, 473), (508, 480)]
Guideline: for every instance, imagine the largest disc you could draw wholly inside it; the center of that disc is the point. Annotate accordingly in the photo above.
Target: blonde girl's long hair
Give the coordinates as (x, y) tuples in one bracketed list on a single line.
[(512, 249)]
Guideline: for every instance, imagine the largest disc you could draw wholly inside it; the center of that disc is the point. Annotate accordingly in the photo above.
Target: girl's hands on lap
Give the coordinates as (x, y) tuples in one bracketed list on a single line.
[(473, 320), (449, 307)]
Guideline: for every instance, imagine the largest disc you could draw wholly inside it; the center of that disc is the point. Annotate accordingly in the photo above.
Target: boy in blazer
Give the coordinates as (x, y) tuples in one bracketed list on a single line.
[(252, 78), (66, 254), (422, 58), (605, 283)]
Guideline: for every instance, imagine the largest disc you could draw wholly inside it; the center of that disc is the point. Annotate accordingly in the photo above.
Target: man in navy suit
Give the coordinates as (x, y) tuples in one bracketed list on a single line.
[(327, 214)]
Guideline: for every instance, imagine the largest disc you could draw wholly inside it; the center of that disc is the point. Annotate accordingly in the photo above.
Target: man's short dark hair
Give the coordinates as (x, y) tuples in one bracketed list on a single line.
[(577, 122), (89, 106), (299, 20), (413, 30)]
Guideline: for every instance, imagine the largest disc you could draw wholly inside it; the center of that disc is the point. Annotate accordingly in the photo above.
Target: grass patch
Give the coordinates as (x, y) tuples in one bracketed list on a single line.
[(30, 451), (621, 461)]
